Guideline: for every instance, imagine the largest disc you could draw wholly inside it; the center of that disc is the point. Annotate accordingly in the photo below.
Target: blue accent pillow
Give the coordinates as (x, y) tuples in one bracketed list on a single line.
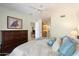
[(67, 48), (51, 42), (63, 36)]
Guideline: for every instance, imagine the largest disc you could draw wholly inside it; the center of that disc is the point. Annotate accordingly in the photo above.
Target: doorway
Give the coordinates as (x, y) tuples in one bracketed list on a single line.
[(46, 24)]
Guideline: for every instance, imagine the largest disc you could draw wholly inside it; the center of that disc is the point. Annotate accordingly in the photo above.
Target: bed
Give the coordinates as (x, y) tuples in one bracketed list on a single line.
[(33, 48), (39, 48)]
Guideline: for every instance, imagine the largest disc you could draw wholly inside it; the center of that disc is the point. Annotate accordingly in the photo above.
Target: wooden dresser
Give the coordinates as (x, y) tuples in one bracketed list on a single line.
[(12, 39)]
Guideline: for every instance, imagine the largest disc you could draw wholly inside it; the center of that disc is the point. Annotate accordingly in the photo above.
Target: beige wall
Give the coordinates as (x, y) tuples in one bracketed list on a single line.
[(64, 25), (27, 19), (59, 25)]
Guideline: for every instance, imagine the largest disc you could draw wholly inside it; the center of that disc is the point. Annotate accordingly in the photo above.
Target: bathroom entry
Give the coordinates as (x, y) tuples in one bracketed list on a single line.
[(46, 23)]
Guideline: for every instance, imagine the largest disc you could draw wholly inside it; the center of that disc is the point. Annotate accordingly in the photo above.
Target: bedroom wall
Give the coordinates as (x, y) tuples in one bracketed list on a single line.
[(63, 25), (59, 25), (27, 19)]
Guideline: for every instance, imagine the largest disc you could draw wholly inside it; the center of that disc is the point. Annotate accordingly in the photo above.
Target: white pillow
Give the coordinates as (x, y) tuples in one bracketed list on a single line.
[(76, 53), (56, 45)]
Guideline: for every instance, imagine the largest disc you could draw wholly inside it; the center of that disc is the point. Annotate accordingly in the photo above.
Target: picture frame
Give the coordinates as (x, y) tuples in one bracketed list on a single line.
[(14, 23)]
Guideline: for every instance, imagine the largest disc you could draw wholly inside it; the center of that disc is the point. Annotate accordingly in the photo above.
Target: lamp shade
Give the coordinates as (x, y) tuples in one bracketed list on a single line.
[(78, 27), (74, 33)]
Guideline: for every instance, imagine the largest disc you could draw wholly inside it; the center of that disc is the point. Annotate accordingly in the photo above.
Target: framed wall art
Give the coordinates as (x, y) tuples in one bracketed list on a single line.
[(14, 23)]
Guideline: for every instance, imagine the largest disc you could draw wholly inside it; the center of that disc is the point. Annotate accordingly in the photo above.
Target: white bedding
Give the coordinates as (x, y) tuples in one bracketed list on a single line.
[(33, 48), (38, 48)]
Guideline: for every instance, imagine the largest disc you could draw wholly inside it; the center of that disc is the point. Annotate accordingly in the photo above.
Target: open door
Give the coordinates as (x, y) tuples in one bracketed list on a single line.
[(46, 23)]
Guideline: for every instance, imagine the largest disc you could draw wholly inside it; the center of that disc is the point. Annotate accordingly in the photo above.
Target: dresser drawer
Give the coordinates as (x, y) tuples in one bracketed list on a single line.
[(12, 39)]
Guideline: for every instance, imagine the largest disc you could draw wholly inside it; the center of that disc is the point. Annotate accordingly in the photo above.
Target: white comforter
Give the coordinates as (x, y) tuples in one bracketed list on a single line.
[(33, 48)]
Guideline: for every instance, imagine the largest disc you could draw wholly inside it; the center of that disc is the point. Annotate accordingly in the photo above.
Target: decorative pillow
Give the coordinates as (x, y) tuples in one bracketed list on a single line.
[(56, 45), (67, 48), (67, 38), (51, 41), (63, 36), (76, 53)]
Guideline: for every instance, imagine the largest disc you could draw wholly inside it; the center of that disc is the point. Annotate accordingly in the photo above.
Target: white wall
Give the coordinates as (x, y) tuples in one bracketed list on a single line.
[(27, 19), (61, 26)]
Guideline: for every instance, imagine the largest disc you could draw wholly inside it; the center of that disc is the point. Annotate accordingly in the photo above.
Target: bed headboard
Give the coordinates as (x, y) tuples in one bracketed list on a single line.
[(12, 39)]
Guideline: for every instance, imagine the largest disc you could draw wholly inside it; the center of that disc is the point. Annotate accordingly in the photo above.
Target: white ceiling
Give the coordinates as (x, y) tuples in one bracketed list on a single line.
[(25, 7), (36, 8)]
